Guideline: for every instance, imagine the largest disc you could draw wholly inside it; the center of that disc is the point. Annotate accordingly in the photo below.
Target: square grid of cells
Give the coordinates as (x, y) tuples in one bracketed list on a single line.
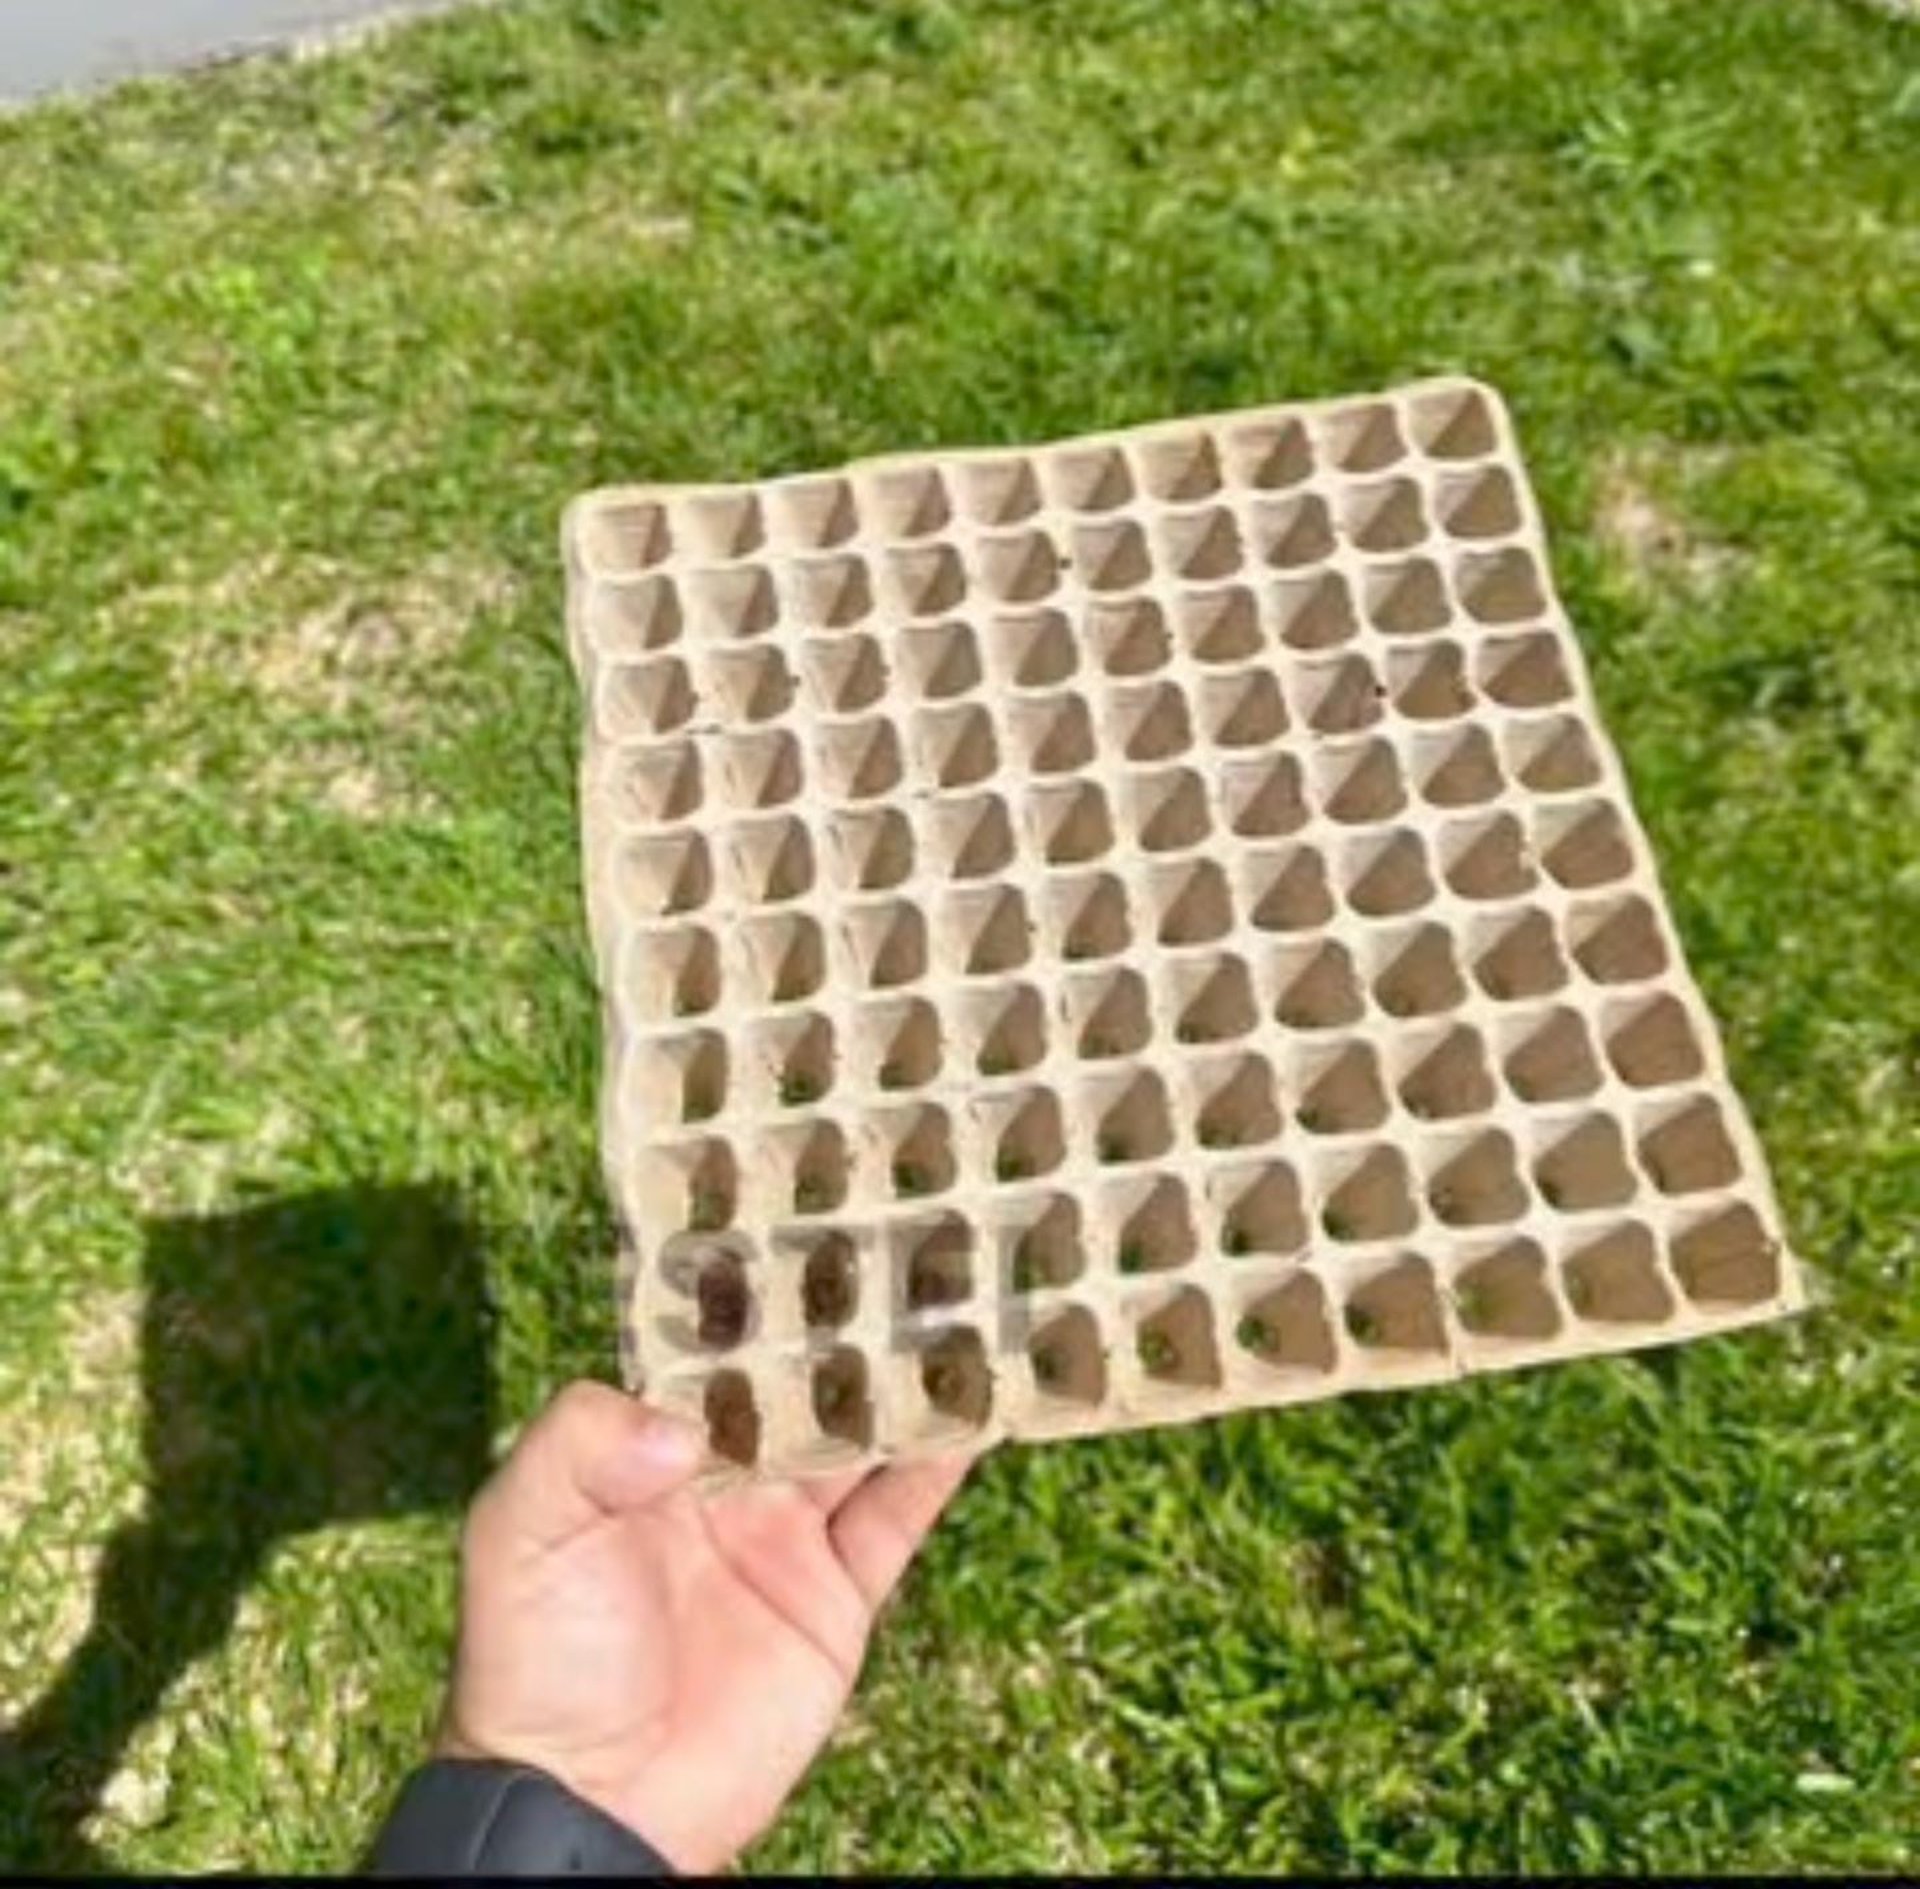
[(1126, 929)]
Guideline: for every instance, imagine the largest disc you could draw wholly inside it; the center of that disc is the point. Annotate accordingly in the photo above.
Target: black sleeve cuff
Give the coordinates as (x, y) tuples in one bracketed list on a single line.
[(466, 1817)]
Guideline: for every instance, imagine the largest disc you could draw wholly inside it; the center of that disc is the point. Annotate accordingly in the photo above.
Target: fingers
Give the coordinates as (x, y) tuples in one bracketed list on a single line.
[(878, 1529), (827, 1493), (593, 1452)]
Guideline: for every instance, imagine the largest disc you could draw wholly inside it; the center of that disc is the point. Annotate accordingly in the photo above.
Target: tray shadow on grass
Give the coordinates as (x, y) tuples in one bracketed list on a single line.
[(318, 1359)]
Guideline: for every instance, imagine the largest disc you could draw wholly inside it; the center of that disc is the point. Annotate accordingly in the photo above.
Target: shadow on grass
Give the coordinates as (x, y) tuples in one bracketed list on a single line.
[(317, 1359)]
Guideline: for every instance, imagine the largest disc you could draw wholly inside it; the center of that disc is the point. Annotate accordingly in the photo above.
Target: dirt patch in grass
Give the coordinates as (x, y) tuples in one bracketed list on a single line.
[(1635, 520), (345, 782), (69, 1468), (55, 1429), (316, 637), (319, 643), (352, 649)]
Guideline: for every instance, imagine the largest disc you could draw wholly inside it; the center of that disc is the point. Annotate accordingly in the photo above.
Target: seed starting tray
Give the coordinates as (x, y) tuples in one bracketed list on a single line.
[(1128, 929)]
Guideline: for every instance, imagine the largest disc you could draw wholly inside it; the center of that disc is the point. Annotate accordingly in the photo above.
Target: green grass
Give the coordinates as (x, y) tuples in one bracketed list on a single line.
[(298, 363)]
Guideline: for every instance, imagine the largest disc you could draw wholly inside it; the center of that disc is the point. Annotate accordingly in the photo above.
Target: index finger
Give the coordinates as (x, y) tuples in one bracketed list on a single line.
[(878, 1529)]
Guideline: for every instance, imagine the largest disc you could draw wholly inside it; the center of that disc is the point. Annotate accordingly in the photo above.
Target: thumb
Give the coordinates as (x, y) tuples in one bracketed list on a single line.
[(594, 1452)]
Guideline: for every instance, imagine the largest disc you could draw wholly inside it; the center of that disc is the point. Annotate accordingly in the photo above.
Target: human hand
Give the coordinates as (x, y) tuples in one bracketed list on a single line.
[(677, 1659)]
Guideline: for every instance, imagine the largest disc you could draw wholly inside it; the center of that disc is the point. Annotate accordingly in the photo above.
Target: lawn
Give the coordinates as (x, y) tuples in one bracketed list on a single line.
[(299, 1204)]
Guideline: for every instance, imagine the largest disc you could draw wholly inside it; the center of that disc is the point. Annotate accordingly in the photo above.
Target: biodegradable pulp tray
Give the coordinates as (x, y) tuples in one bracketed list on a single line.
[(1128, 929)]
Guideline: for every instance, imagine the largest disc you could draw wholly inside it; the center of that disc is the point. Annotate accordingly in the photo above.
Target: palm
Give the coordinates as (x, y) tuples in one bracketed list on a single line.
[(681, 1662), (709, 1647)]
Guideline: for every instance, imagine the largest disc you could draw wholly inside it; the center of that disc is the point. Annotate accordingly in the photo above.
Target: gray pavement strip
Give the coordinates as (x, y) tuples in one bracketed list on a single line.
[(46, 49)]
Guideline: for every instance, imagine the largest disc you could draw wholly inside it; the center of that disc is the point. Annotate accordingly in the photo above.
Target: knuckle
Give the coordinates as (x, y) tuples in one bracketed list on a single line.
[(579, 1404)]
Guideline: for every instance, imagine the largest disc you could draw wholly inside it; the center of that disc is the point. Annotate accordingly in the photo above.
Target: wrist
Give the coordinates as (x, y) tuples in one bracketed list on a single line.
[(450, 1741)]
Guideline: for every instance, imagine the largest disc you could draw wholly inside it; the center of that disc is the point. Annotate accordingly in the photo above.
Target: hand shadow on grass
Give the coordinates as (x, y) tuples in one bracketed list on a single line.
[(318, 1359)]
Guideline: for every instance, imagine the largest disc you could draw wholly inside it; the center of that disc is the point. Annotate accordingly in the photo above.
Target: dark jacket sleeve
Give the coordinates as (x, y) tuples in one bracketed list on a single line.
[(460, 1817)]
